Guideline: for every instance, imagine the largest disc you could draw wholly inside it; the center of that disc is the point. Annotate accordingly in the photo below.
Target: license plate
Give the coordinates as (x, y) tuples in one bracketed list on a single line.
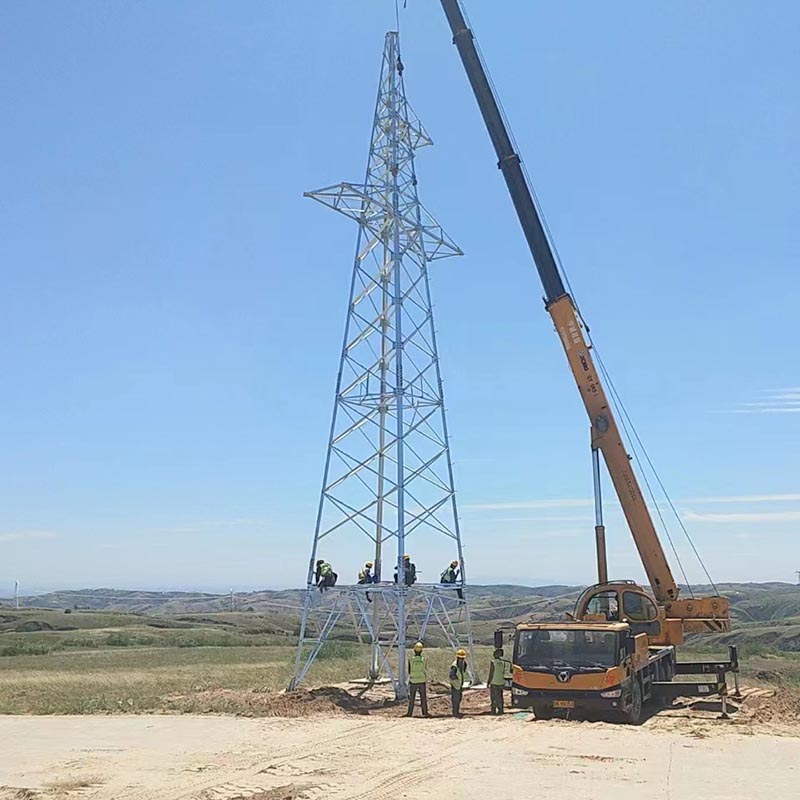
[(563, 704)]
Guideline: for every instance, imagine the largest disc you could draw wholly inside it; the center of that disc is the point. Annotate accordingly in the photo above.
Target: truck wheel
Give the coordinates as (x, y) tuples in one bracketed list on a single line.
[(542, 712), (633, 716)]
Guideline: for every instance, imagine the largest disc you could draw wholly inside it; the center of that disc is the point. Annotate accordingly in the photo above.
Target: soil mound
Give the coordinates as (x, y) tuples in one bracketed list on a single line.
[(325, 700)]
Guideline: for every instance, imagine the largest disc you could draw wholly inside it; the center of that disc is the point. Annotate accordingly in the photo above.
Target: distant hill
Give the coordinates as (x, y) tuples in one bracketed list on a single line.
[(750, 602), (766, 615)]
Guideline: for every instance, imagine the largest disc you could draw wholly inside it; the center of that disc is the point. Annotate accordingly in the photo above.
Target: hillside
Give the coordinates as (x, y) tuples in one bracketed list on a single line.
[(111, 650), (766, 615)]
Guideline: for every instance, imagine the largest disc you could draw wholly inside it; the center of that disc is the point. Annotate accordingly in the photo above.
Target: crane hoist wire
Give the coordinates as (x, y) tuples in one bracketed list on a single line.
[(635, 439), (617, 403)]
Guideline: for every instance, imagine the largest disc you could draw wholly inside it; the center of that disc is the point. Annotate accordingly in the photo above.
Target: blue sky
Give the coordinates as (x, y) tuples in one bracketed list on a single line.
[(172, 308)]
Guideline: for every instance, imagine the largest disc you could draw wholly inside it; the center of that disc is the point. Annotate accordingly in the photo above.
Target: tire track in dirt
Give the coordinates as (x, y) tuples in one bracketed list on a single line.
[(412, 773), (244, 778)]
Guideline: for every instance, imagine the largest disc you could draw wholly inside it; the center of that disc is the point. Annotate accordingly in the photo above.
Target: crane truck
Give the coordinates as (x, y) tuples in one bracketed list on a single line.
[(617, 650)]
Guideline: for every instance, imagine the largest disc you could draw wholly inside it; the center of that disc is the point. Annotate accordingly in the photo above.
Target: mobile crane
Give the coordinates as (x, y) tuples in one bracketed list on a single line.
[(618, 650)]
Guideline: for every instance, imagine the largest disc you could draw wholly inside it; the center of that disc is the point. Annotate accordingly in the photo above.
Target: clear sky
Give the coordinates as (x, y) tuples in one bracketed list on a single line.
[(171, 308)]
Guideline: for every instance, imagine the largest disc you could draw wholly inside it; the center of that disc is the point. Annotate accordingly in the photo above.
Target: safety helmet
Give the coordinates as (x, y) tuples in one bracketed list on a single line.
[(418, 647), (320, 561), (454, 563), (368, 564), (406, 558), (462, 653)]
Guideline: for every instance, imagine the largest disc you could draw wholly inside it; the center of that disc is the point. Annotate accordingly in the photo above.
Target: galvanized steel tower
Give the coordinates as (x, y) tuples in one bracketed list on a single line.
[(388, 477)]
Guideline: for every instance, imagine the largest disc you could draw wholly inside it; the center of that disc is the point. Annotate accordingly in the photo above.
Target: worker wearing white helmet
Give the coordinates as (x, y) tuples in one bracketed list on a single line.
[(418, 681), (450, 576)]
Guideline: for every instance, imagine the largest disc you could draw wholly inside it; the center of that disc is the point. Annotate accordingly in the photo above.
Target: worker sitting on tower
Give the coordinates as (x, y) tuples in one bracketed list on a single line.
[(450, 576), (409, 570), (325, 575), (365, 576)]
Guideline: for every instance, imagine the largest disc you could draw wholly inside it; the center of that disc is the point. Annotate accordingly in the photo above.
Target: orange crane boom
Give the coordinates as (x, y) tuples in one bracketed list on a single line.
[(605, 432)]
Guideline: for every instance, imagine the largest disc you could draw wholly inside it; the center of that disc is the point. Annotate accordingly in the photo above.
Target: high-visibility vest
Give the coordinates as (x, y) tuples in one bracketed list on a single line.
[(418, 669), (458, 682), (448, 576), (499, 672), (325, 569), (364, 576)]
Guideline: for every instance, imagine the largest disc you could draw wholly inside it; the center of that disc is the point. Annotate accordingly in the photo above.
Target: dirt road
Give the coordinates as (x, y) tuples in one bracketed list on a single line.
[(224, 758)]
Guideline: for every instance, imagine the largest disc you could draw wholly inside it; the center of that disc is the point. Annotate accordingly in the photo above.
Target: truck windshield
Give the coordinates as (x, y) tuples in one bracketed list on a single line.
[(557, 648)]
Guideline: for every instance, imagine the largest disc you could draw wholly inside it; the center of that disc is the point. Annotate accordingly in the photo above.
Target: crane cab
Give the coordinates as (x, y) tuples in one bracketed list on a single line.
[(626, 601)]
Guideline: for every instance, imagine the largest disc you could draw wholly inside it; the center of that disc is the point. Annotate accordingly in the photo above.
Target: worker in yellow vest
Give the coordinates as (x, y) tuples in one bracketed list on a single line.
[(458, 670), (365, 576), (498, 670), (418, 681)]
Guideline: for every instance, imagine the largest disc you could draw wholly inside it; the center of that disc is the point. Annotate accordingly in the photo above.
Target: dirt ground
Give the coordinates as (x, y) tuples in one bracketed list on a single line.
[(339, 747)]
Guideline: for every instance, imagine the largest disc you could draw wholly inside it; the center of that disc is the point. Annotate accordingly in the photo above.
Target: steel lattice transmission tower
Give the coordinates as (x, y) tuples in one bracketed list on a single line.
[(388, 477)]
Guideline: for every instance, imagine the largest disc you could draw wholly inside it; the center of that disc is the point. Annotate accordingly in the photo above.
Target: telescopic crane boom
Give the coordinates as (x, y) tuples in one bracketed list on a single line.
[(604, 430)]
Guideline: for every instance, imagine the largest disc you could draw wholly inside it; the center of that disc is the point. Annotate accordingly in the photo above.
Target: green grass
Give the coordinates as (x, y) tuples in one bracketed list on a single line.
[(149, 679), (139, 679)]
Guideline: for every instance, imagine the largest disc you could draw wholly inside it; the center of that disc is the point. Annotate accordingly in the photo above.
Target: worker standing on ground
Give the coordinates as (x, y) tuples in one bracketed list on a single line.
[(457, 672), (450, 577), (326, 577), (365, 576), (418, 681), (497, 680)]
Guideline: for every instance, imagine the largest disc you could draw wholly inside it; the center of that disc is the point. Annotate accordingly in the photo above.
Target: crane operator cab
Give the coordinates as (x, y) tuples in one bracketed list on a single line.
[(621, 601)]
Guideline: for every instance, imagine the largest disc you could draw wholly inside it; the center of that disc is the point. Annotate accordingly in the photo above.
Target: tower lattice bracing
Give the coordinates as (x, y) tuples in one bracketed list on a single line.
[(388, 477)]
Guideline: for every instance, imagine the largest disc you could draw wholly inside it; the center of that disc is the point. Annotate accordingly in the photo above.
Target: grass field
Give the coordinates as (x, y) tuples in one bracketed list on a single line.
[(54, 661), (112, 662)]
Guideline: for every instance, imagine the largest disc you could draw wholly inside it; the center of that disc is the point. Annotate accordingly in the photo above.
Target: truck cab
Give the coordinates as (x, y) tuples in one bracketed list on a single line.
[(590, 667)]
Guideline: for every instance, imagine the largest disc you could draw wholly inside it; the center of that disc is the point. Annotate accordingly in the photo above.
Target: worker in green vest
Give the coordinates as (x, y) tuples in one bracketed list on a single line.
[(498, 670), (325, 575), (457, 671), (417, 681), (365, 576), (450, 576)]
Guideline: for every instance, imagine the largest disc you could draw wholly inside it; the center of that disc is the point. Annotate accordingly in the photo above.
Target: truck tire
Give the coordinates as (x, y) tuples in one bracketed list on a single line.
[(542, 712), (633, 716)]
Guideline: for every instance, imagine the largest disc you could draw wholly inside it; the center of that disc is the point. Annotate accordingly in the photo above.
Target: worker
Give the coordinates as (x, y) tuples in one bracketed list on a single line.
[(326, 577), (418, 681), (365, 576), (450, 576), (409, 571), (497, 680), (457, 671)]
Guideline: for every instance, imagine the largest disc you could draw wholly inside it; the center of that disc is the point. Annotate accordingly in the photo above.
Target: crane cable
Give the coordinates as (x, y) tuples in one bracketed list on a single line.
[(637, 438), (622, 417), (397, 12)]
